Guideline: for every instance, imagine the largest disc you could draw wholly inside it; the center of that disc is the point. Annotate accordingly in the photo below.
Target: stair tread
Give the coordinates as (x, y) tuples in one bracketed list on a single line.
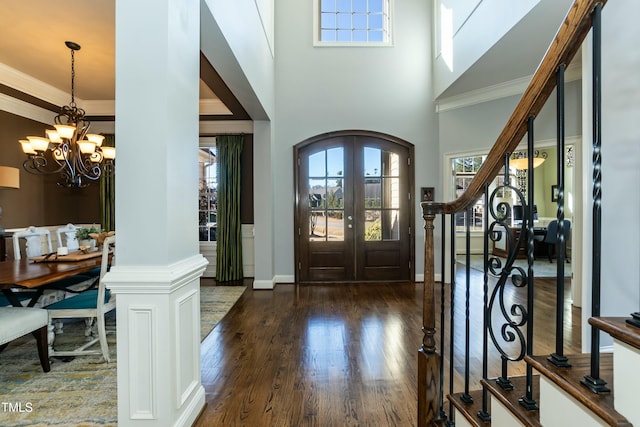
[(470, 410), (619, 329), (569, 380), (510, 398)]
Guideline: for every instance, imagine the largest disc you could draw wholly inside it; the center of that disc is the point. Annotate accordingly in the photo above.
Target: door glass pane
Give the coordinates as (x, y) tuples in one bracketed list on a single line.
[(372, 193), (372, 161), (317, 226), (391, 225), (335, 161), (391, 188), (335, 194), (391, 164), (335, 225), (317, 191), (372, 225), (317, 166)]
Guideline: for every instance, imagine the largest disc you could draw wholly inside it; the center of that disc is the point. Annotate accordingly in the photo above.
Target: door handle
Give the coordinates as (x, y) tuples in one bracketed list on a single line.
[(350, 226), (350, 218)]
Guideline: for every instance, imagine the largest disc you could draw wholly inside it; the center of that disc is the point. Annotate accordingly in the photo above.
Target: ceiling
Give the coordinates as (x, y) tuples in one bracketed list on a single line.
[(34, 32), (518, 53), (33, 42)]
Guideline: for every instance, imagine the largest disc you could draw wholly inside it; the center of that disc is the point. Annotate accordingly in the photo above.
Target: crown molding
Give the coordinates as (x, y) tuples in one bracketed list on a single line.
[(225, 126), (499, 91), (24, 109), (34, 87)]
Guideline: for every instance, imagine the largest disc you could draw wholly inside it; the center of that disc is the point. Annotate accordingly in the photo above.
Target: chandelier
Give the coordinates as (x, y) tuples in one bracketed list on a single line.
[(68, 149), (519, 160)]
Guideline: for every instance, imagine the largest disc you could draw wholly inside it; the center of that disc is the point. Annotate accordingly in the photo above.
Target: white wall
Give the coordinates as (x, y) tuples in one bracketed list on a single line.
[(620, 157), (468, 38), (237, 38), (322, 89)]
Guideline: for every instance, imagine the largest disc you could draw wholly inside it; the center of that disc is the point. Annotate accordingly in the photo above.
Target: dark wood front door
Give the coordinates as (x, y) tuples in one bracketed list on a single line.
[(353, 213)]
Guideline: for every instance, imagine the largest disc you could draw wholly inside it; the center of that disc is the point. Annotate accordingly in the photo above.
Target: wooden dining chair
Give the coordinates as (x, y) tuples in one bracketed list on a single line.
[(92, 305), (70, 240), (38, 242)]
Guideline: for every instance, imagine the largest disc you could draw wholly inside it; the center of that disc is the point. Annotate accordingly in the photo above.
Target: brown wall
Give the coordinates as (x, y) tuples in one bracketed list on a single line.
[(39, 200)]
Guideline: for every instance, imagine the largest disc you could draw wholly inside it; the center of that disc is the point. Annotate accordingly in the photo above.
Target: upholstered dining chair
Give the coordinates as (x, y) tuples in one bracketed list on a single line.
[(551, 238), (70, 240), (19, 321), (92, 305)]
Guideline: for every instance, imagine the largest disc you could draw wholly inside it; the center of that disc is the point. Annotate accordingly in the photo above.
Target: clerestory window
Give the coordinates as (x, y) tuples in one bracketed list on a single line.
[(352, 22)]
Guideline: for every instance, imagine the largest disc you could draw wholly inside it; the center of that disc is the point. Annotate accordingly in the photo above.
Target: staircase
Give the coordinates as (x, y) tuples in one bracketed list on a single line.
[(561, 397), (590, 389)]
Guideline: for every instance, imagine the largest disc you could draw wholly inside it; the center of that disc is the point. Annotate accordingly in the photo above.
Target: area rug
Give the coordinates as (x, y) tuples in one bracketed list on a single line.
[(81, 392), (541, 267)]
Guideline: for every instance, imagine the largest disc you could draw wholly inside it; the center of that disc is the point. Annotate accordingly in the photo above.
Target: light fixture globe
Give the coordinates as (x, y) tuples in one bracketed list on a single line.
[(69, 150)]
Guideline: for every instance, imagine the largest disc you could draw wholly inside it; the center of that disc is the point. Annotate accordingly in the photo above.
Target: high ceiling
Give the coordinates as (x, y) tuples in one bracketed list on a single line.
[(34, 32), (33, 42)]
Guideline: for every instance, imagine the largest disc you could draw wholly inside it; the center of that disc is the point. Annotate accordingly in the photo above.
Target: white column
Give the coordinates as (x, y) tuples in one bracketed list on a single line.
[(156, 274)]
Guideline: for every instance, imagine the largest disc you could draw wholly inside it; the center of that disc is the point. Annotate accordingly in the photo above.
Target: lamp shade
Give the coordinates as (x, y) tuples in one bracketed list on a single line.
[(9, 177), (523, 163)]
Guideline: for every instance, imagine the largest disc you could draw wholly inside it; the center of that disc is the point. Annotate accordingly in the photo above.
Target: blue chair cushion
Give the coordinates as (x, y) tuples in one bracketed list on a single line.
[(62, 284), (87, 299), (92, 273), (21, 296)]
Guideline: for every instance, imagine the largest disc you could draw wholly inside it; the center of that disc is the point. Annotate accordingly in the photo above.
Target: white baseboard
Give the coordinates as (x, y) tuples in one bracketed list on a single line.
[(264, 284), (285, 278)]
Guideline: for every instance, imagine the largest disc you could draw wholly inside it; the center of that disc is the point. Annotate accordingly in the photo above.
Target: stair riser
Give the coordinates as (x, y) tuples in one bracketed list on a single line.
[(626, 378), (559, 409), (501, 416), (461, 421)]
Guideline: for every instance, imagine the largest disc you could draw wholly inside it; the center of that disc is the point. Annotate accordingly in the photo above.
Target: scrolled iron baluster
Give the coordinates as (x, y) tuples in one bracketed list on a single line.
[(514, 317)]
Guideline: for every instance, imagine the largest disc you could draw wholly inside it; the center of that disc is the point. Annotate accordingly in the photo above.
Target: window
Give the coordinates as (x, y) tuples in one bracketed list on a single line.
[(352, 22), (207, 194), (464, 169)]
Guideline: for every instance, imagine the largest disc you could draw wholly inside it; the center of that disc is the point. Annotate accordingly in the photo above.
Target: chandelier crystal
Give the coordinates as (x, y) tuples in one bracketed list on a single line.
[(78, 156)]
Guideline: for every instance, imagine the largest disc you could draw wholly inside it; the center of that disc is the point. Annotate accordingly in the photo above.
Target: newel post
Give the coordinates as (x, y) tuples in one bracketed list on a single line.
[(428, 358)]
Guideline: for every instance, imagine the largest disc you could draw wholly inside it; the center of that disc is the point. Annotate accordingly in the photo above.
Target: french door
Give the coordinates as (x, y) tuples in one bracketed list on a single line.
[(353, 210)]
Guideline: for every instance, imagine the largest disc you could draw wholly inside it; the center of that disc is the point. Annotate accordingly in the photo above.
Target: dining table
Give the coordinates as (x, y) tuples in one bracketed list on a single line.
[(36, 273)]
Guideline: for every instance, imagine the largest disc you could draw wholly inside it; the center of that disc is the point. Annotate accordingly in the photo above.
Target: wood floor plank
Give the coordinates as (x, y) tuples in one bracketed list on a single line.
[(338, 355)]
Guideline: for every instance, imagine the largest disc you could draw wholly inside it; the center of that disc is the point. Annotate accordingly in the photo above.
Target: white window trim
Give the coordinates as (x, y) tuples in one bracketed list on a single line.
[(316, 31)]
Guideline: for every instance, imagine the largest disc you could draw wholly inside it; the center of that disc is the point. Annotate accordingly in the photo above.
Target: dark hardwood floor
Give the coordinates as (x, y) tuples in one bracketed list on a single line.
[(335, 355)]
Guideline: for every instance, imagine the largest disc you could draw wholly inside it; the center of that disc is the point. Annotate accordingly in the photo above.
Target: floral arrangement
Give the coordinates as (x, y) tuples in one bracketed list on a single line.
[(85, 233)]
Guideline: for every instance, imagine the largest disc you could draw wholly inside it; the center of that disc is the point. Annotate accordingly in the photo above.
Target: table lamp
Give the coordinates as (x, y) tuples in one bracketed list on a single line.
[(9, 178)]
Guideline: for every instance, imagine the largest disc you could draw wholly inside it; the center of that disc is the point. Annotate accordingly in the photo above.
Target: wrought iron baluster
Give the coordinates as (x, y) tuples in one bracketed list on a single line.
[(527, 400), (484, 414), (558, 358), (593, 380), (452, 293), (466, 396), (514, 316), (443, 414)]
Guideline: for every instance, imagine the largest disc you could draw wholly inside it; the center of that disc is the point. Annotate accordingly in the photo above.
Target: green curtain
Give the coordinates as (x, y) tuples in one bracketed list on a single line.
[(229, 237), (108, 192)]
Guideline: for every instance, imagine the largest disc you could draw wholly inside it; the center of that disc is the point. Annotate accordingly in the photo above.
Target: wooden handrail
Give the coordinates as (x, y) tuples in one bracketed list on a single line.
[(563, 48)]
